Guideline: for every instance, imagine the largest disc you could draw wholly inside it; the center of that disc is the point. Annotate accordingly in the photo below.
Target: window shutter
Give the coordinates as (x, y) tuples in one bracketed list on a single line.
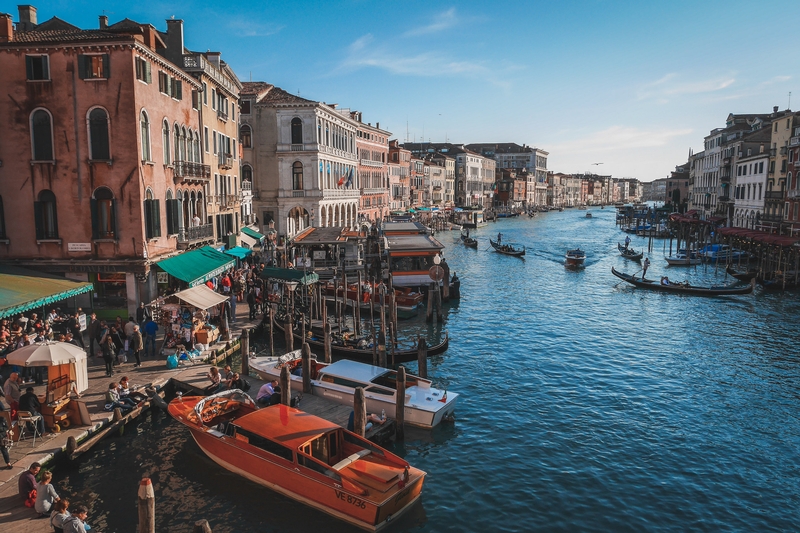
[(82, 67), (168, 81), (29, 66), (157, 218), (39, 220), (148, 220), (148, 75), (106, 66), (114, 219), (170, 216), (95, 222), (179, 85)]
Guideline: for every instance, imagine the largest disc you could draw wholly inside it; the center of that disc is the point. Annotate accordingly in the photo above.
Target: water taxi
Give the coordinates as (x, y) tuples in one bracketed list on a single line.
[(575, 258), (303, 457), (425, 405)]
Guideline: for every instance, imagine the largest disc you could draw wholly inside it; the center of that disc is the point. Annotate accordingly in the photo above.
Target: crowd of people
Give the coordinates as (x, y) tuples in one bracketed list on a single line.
[(41, 495)]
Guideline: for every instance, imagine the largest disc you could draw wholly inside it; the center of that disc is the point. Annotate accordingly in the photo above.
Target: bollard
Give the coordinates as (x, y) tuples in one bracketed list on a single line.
[(400, 413), (306, 368), (72, 445), (359, 412), (147, 506), (286, 386), (422, 357), (117, 414)]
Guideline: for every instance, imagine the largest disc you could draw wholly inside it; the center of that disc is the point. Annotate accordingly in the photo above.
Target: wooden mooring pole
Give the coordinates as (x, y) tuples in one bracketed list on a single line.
[(306, 368), (422, 357), (327, 342), (271, 331), (288, 333), (359, 412), (400, 407), (286, 386), (147, 506), (201, 526), (245, 352)]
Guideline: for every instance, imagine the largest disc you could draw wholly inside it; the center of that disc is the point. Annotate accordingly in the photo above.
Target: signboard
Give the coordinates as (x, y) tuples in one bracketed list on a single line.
[(162, 277), (79, 247), (318, 255), (82, 321), (436, 273)]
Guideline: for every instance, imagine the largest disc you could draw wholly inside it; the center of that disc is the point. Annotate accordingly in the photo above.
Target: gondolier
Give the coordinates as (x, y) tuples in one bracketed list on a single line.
[(627, 241), (645, 266)]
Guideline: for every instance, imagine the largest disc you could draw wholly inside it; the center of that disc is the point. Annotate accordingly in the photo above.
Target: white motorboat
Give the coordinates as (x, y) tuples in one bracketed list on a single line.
[(425, 405), (682, 258)]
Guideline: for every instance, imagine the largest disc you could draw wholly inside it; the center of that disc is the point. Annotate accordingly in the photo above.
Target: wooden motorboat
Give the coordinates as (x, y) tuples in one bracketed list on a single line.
[(742, 276), (404, 296), (588, 214), (425, 405), (665, 285), (575, 258), (361, 349), (683, 258), (470, 242), (508, 249), (629, 253), (303, 457)]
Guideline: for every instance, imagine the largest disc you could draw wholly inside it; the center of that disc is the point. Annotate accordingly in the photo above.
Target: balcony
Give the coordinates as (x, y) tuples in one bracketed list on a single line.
[(195, 235), (774, 195), (726, 199), (192, 171), (222, 115), (297, 147), (784, 150), (726, 161), (771, 218), (794, 193), (225, 161), (247, 185), (794, 141)]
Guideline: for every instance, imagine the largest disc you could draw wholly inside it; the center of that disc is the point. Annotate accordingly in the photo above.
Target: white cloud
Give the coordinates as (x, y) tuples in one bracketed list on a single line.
[(442, 21), (672, 85), (620, 138)]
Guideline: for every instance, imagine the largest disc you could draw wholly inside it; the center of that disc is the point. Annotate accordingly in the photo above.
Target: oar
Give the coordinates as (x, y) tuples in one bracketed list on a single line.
[(632, 276)]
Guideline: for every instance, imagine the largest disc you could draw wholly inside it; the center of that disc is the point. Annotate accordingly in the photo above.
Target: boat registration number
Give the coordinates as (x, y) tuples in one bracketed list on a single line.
[(352, 500)]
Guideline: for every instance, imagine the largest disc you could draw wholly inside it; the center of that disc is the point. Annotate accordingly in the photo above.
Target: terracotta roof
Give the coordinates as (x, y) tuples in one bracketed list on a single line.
[(125, 24), (254, 87), (56, 23), (62, 36), (276, 95)]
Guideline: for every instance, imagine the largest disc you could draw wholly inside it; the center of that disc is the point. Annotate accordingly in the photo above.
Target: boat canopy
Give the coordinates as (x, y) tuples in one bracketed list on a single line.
[(290, 274)]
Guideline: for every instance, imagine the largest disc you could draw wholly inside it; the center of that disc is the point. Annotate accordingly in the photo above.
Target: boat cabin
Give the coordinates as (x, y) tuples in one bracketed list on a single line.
[(325, 250), (470, 218), (410, 258)]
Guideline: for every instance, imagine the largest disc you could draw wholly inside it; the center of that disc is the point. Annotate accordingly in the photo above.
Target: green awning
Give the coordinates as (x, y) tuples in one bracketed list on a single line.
[(22, 290), (289, 274), (197, 266), (253, 233), (239, 252)]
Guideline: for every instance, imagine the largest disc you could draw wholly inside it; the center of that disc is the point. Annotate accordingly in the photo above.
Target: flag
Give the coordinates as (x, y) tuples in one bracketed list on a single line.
[(341, 180), (349, 181)]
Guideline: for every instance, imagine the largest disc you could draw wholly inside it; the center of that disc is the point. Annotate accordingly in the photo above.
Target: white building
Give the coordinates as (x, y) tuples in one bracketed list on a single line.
[(751, 180)]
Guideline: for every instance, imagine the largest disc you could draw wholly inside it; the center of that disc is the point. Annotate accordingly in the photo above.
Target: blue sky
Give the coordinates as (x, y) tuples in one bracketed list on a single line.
[(629, 84)]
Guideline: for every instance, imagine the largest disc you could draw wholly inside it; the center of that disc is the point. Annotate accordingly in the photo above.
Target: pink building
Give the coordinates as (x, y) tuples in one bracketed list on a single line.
[(372, 144), (97, 128)]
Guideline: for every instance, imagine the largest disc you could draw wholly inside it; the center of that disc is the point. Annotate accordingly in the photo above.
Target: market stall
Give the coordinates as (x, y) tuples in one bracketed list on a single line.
[(185, 316)]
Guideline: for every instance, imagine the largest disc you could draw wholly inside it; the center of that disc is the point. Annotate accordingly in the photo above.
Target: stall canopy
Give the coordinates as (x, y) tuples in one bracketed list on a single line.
[(239, 252), (248, 240), (252, 233), (201, 297), (22, 290), (197, 266), (288, 274)]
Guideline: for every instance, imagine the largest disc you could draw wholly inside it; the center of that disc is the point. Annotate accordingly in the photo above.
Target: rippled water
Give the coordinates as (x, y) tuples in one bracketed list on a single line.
[(586, 405)]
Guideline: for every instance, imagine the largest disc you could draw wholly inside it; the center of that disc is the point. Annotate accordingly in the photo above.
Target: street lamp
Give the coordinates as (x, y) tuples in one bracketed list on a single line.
[(291, 285)]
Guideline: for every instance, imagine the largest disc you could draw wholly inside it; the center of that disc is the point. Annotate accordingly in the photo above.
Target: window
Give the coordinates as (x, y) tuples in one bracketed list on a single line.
[(152, 216), (165, 142), (297, 131), (205, 137), (164, 83), (143, 70), (38, 68), (213, 99), (46, 216), (42, 135), (103, 208), (247, 173), (195, 100), (144, 124), (244, 136), (94, 67), (244, 107), (297, 176), (2, 221), (177, 89), (174, 215), (98, 135)]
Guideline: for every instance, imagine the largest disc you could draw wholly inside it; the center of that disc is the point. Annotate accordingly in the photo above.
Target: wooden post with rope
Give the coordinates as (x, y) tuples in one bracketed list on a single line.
[(422, 357), (147, 506)]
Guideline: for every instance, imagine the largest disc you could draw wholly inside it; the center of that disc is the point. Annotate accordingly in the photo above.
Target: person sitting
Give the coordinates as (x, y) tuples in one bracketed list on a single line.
[(237, 382), (46, 496), (216, 380), (27, 481), (29, 402), (664, 280), (371, 420), (269, 394), (113, 398), (60, 514)]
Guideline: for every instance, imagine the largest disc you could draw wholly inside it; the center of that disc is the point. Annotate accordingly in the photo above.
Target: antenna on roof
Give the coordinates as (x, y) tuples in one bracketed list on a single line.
[(790, 101)]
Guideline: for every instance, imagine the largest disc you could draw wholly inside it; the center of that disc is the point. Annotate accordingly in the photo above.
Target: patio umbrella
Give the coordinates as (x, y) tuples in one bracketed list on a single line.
[(46, 354)]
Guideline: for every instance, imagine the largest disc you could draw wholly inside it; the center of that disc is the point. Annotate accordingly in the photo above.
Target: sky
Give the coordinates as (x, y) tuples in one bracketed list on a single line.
[(621, 88)]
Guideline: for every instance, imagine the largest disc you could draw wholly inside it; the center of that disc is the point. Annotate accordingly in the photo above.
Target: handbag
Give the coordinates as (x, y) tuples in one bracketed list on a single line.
[(31, 501)]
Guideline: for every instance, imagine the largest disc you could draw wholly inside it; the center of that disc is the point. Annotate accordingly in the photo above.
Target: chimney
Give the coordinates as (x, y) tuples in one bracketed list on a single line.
[(6, 28), (213, 58), (27, 18), (378, 125), (103, 22), (175, 41), (775, 109)]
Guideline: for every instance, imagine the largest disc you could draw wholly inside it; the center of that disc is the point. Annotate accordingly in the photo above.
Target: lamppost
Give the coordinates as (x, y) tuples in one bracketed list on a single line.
[(291, 285)]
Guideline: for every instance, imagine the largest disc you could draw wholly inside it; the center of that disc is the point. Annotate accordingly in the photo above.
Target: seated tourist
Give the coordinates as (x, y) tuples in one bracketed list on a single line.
[(664, 280), (269, 394), (113, 398)]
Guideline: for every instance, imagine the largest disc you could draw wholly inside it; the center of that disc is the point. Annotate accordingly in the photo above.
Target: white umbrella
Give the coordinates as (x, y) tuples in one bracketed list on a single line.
[(46, 354)]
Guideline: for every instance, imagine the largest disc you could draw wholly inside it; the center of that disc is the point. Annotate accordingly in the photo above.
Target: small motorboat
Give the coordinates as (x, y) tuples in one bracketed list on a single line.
[(303, 457), (683, 258), (588, 214), (575, 258)]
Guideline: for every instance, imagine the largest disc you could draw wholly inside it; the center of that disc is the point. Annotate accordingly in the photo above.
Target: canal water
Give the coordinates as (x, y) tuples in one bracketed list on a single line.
[(586, 405)]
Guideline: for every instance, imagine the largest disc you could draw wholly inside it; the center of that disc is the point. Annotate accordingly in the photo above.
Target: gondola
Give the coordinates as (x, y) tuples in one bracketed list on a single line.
[(470, 242), (317, 346), (507, 249), (742, 276), (683, 288), (629, 253)]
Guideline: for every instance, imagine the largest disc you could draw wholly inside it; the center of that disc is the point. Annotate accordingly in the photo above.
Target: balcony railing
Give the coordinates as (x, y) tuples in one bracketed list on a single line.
[(186, 169), (246, 185), (793, 193), (784, 150), (771, 218), (196, 234), (774, 195), (297, 148), (225, 161), (222, 115)]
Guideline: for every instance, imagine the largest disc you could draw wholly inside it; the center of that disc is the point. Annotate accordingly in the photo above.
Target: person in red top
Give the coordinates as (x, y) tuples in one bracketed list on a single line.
[(226, 284)]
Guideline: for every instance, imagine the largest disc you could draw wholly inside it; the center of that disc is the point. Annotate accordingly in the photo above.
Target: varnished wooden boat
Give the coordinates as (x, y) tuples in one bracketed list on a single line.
[(629, 253), (363, 354), (575, 258), (303, 457), (507, 249), (683, 288)]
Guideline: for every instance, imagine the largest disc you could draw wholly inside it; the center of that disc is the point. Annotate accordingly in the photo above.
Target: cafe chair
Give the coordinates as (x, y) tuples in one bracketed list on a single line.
[(29, 422)]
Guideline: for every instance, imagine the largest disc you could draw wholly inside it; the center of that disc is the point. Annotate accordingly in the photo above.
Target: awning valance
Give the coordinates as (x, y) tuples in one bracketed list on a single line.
[(201, 297), (288, 274), (239, 252), (252, 233), (22, 290), (197, 266), (249, 241)]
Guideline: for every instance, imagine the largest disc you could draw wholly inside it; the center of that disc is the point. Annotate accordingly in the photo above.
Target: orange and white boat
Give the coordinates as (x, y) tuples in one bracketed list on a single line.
[(302, 456)]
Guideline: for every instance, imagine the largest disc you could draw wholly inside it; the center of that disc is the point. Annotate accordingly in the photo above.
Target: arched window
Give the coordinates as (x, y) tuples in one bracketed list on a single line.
[(245, 135), (152, 216), (104, 220), (165, 142), (297, 131), (183, 145), (177, 134), (297, 176), (42, 135), (190, 146), (98, 135), (144, 125), (46, 216), (196, 146), (247, 173)]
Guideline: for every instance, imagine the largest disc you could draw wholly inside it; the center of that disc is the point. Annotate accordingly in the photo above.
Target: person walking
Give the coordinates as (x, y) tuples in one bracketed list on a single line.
[(75, 328), (108, 355), (645, 266), (92, 329), (143, 314), (137, 345), (150, 328), (251, 302)]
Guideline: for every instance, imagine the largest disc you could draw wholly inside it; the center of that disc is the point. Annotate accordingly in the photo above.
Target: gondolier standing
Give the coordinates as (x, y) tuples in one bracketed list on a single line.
[(645, 266), (627, 241)]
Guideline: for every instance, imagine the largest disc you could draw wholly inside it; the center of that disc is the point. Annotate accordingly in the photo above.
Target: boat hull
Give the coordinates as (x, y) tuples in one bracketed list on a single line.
[(677, 288)]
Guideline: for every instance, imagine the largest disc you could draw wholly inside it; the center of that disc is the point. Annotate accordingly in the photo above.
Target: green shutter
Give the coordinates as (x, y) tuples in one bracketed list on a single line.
[(106, 66), (38, 219), (95, 222), (29, 66), (179, 91), (82, 67), (157, 218), (148, 220), (114, 218), (148, 76)]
